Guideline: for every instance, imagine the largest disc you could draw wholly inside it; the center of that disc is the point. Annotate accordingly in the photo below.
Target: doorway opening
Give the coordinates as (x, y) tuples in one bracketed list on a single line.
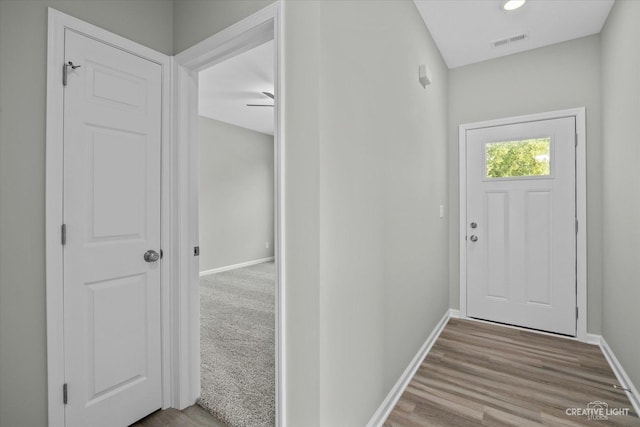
[(236, 237), (258, 32)]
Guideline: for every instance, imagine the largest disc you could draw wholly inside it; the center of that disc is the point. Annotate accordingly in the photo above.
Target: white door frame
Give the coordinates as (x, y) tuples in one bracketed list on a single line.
[(581, 204), (58, 22), (260, 27)]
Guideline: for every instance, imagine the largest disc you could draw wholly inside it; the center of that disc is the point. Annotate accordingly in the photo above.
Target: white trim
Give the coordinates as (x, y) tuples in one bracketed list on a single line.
[(619, 371), (53, 219), (383, 411), (166, 234), (594, 339), (235, 266), (279, 228), (262, 26), (235, 39), (57, 23), (581, 213), (581, 204)]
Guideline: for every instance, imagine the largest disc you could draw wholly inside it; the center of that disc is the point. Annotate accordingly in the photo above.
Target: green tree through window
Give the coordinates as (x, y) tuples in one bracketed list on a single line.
[(527, 157)]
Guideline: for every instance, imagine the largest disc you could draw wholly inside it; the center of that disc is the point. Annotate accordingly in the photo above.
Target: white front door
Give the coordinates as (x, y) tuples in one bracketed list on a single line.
[(521, 224), (112, 142)]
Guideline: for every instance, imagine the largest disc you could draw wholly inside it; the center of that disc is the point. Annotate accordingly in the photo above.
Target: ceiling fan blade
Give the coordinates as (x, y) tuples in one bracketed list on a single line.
[(259, 105), (269, 94)]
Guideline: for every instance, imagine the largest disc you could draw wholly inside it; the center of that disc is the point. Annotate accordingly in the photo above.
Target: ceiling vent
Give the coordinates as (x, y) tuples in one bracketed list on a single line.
[(502, 43)]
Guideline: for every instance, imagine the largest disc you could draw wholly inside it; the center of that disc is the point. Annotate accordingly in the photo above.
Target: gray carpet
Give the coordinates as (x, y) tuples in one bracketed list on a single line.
[(237, 333)]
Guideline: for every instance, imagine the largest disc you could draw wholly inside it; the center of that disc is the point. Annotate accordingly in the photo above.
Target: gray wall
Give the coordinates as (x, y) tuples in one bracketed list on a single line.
[(366, 276), (621, 201), (383, 247), (196, 20), (565, 75), (302, 212), (236, 194), (23, 41)]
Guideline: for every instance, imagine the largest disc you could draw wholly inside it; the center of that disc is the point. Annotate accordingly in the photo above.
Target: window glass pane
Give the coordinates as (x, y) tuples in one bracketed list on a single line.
[(526, 157)]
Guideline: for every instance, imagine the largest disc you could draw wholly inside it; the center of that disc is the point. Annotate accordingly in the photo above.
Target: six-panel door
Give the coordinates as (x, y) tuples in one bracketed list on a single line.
[(112, 143)]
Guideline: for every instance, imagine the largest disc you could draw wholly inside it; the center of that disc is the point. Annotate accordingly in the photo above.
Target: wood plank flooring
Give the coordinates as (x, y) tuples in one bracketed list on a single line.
[(193, 416), (484, 374)]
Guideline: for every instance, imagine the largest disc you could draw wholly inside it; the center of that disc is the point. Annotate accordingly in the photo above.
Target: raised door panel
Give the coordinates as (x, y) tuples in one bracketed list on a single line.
[(119, 184), (117, 334), (538, 247)]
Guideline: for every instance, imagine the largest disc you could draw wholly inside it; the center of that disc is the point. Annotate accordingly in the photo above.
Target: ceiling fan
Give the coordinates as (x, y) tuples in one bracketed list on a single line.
[(270, 95)]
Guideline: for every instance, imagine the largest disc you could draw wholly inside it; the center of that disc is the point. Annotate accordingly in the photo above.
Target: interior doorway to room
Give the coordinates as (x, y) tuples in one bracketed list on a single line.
[(236, 237), (519, 217)]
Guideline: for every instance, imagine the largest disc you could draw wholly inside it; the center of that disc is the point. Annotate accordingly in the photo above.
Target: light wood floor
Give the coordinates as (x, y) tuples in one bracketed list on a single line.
[(193, 416), (484, 374)]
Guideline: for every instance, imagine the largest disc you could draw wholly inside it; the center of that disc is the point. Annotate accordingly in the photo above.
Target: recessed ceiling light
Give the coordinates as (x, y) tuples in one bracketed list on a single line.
[(513, 4)]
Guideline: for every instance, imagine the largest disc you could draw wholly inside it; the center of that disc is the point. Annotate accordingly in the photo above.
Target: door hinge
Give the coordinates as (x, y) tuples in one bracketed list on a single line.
[(63, 234), (196, 251), (576, 225), (576, 140), (64, 394), (65, 68), (577, 313)]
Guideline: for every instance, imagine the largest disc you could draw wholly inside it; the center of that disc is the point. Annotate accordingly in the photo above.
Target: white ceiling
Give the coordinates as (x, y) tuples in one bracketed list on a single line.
[(465, 30), (226, 88)]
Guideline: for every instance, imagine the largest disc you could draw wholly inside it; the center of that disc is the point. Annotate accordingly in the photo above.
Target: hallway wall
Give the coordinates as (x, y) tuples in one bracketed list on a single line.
[(556, 77), (383, 256), (621, 201)]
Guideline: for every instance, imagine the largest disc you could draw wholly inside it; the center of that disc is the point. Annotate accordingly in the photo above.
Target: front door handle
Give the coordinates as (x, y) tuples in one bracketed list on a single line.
[(151, 256), (473, 238)]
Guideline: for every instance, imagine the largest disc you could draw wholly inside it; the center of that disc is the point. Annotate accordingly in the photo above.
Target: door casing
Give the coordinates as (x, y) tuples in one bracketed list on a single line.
[(581, 204), (262, 26)]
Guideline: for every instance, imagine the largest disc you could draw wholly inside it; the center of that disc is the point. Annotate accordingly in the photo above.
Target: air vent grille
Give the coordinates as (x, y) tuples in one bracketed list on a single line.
[(510, 40), (501, 43), (518, 38)]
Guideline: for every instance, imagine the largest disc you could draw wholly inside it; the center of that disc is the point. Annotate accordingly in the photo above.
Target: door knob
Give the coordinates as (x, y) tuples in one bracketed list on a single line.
[(151, 256), (473, 238)]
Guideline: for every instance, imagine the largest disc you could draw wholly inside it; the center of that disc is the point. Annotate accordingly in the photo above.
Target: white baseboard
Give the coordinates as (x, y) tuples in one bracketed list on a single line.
[(234, 266), (619, 371), (594, 339), (380, 416)]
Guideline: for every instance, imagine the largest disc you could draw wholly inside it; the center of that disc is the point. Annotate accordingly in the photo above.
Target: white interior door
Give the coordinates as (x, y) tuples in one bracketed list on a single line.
[(521, 224), (112, 143)]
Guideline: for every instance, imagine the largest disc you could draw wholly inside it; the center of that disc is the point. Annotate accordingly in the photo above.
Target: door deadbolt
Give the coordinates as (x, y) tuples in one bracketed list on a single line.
[(473, 225)]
